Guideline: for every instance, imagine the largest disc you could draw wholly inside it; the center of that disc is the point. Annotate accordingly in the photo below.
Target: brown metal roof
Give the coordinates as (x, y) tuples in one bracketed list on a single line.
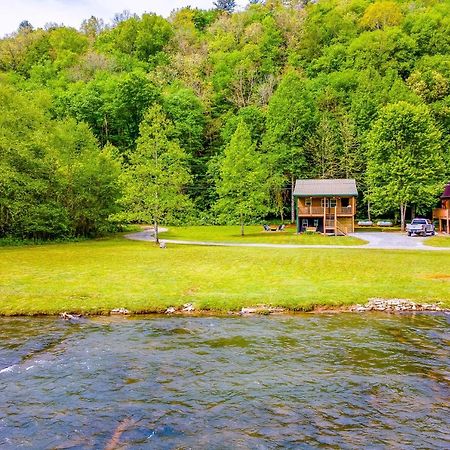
[(332, 187), (446, 193)]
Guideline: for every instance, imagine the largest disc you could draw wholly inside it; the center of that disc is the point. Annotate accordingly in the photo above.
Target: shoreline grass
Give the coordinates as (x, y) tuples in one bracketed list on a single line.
[(94, 277), (255, 234)]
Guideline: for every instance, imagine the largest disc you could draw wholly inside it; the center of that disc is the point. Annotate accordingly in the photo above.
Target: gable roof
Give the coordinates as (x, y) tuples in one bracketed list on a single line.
[(332, 187), (446, 193)]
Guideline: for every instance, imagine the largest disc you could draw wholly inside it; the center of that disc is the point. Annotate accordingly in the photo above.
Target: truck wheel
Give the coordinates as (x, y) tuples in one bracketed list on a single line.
[(409, 234)]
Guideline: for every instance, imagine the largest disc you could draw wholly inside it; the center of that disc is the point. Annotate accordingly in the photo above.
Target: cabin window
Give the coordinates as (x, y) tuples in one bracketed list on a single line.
[(316, 222), (345, 202), (325, 202), (332, 202), (308, 201), (304, 223)]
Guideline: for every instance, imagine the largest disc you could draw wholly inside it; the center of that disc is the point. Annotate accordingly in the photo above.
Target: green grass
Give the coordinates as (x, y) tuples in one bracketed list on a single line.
[(438, 241), (255, 234), (97, 276)]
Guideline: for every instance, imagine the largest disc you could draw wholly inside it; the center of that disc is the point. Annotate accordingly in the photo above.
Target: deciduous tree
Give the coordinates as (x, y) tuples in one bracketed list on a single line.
[(155, 180), (405, 163)]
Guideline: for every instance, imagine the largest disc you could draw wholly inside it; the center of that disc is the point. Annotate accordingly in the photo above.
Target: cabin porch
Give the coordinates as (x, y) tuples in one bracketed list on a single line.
[(442, 215), (327, 215)]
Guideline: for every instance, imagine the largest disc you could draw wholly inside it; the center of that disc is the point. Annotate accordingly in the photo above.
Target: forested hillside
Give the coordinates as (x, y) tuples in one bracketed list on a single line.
[(282, 90)]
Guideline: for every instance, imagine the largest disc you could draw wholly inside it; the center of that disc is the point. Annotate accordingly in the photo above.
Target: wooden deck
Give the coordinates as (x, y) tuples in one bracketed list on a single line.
[(440, 213), (318, 211)]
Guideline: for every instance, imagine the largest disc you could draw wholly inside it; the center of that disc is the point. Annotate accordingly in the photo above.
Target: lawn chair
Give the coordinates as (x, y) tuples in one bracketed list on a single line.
[(281, 227), (266, 227)]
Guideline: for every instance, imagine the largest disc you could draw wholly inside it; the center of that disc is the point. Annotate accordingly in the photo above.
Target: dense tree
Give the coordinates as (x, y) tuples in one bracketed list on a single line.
[(54, 180), (243, 183), (142, 37), (382, 14), (156, 177), (405, 164), (308, 79), (290, 119)]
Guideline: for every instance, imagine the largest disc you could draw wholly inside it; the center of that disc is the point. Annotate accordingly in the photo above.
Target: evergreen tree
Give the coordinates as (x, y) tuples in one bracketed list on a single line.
[(225, 5), (243, 183)]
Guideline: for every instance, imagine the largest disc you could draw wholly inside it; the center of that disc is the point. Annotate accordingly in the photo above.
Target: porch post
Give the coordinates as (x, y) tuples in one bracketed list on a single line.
[(324, 216), (353, 213), (335, 217)]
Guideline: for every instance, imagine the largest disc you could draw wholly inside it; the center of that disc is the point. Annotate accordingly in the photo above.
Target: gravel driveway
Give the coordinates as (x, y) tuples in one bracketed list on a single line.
[(394, 241), (376, 240)]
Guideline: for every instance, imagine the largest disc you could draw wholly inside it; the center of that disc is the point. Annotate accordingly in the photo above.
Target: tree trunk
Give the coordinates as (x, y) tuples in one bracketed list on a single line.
[(292, 199), (413, 212), (242, 227), (403, 216), (368, 211), (156, 232)]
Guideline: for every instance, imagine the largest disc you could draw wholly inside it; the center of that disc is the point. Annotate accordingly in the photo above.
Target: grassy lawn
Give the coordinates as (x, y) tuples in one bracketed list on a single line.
[(438, 241), (97, 276), (255, 234)]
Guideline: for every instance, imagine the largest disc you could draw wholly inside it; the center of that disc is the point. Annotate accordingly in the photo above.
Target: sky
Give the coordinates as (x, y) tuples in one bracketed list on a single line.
[(73, 12)]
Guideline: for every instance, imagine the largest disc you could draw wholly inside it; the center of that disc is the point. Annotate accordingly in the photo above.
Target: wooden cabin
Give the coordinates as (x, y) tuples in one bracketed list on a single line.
[(326, 206), (442, 214)]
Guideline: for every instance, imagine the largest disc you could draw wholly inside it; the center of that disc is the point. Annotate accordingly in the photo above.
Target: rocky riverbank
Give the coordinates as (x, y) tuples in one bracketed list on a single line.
[(393, 305), (396, 305)]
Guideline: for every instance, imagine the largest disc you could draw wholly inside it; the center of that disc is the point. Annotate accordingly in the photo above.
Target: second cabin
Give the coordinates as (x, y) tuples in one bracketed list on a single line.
[(326, 206), (442, 214)]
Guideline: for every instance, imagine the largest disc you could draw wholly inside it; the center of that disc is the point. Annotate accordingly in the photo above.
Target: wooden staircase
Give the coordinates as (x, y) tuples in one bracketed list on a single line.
[(332, 226), (329, 226)]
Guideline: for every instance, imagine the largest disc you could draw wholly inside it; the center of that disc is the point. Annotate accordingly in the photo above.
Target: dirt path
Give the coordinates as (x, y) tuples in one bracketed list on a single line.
[(376, 241)]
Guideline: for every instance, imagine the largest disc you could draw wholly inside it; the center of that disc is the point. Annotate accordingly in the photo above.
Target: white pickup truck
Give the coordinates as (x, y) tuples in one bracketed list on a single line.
[(421, 227)]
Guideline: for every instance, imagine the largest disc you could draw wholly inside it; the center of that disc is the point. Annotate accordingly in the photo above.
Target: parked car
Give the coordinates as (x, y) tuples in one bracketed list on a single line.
[(423, 227)]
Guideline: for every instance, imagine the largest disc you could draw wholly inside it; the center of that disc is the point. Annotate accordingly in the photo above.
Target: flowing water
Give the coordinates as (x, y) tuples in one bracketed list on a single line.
[(308, 381)]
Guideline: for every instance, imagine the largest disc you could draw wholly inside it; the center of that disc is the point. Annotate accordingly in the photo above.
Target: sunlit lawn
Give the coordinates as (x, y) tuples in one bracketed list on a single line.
[(97, 276), (255, 234), (438, 241)]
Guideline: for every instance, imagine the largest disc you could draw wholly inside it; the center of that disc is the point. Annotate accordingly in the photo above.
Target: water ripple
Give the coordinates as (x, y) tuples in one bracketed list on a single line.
[(335, 381)]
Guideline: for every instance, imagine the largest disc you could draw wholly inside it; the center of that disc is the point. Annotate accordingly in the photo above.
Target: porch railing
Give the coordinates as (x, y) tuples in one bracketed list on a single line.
[(440, 213), (319, 211)]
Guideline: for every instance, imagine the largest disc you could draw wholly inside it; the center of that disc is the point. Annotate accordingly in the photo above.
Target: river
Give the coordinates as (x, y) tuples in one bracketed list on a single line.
[(307, 381)]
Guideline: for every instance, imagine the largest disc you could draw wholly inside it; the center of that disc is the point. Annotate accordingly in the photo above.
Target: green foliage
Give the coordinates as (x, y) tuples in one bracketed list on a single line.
[(112, 105), (157, 174), (290, 119), (243, 183), (141, 37), (187, 113), (308, 79), (405, 164), (381, 14), (54, 180)]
